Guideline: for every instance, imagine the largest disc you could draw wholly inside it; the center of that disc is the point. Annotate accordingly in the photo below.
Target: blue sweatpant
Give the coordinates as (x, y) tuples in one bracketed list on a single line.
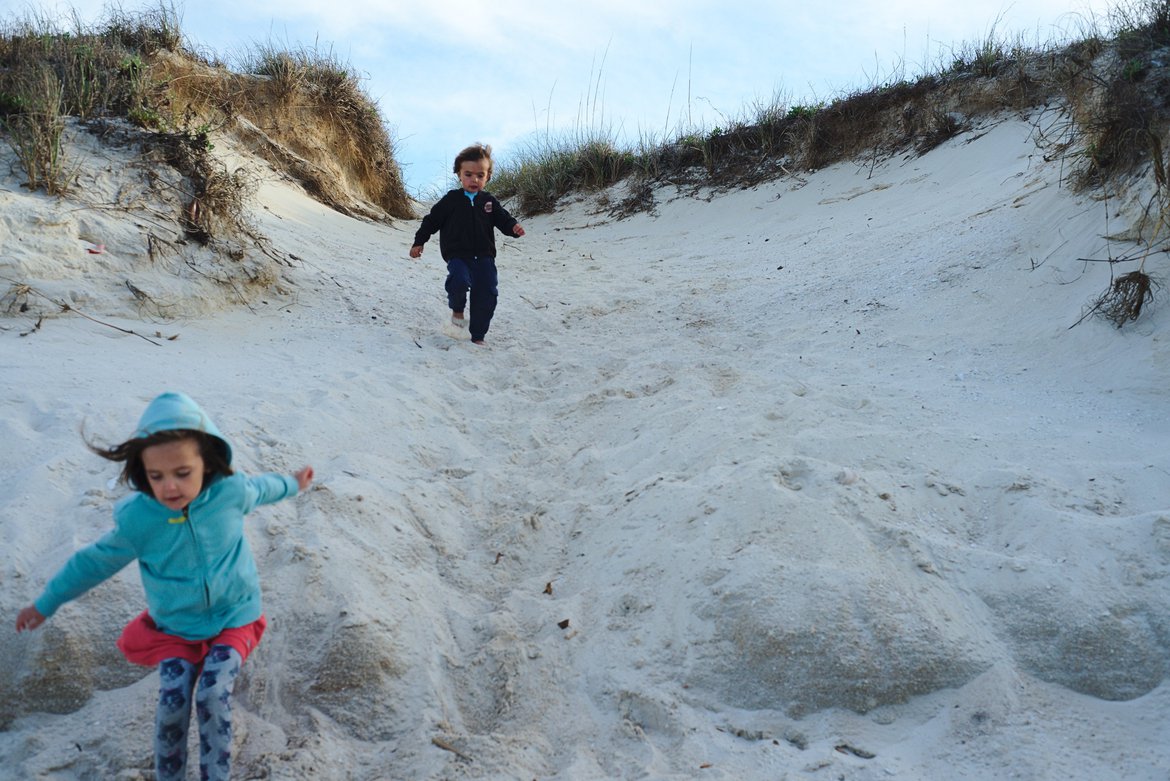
[(212, 689), (478, 275)]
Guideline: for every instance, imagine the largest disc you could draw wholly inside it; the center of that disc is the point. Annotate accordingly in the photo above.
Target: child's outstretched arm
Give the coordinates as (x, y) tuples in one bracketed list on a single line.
[(28, 619), (85, 569)]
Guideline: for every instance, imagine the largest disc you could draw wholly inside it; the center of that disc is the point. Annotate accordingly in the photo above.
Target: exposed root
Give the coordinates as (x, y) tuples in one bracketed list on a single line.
[(1124, 299)]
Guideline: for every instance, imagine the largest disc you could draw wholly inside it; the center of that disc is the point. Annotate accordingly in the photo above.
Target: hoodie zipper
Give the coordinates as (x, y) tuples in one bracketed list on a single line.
[(198, 558)]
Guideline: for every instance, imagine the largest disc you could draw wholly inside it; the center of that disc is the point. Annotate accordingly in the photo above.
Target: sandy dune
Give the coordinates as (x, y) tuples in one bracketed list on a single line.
[(806, 481)]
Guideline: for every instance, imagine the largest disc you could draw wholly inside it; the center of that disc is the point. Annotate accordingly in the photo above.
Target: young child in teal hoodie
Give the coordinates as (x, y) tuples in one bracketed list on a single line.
[(184, 524)]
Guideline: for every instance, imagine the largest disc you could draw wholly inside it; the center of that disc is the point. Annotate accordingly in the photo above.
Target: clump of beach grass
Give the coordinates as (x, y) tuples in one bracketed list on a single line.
[(1105, 87)]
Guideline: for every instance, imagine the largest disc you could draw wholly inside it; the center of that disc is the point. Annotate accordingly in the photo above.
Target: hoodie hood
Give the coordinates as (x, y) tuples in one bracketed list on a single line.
[(172, 411)]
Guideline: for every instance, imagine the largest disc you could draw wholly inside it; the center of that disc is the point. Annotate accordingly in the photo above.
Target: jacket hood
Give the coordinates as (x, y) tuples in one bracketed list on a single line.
[(172, 411)]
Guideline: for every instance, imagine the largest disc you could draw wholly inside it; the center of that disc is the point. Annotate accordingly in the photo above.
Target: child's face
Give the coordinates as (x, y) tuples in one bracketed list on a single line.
[(175, 472), (473, 175)]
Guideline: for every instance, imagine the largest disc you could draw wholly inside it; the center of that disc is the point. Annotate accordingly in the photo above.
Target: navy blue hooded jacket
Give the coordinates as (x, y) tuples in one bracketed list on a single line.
[(465, 227)]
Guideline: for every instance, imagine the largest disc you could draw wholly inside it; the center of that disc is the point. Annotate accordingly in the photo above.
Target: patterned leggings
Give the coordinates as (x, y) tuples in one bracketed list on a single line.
[(213, 707)]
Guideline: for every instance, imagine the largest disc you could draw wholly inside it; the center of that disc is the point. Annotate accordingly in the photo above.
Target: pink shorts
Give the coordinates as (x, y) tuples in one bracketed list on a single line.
[(142, 642)]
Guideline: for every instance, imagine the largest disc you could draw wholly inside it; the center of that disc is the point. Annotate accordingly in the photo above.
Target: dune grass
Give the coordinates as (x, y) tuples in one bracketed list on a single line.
[(1109, 121), (1112, 124), (317, 121), (305, 111), (317, 91), (50, 71)]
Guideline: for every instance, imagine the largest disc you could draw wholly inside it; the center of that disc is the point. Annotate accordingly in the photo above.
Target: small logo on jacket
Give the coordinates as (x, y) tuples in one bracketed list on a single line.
[(487, 207)]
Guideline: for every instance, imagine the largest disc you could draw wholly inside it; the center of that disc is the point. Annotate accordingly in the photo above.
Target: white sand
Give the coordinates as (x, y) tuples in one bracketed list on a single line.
[(807, 468)]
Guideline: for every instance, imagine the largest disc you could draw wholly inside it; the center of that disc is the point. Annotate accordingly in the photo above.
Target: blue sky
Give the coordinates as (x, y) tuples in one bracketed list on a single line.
[(446, 73)]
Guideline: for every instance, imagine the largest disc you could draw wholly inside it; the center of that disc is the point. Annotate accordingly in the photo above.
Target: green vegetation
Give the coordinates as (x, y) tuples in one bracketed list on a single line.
[(48, 74), (1105, 115), (318, 124), (35, 131), (1112, 118), (305, 112)]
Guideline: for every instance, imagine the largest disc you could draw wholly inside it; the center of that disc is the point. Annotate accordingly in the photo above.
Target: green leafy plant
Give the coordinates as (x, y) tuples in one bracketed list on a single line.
[(1133, 69), (146, 117), (10, 103), (131, 65), (201, 138)]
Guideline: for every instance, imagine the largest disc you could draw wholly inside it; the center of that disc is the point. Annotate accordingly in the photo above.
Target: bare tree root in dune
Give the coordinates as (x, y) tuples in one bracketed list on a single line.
[(1124, 299)]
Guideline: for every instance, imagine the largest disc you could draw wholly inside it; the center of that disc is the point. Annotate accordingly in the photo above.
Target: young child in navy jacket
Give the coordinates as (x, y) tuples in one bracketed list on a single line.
[(466, 220)]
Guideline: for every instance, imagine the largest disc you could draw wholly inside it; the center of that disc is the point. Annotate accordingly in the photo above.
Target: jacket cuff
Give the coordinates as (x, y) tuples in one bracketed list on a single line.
[(46, 605)]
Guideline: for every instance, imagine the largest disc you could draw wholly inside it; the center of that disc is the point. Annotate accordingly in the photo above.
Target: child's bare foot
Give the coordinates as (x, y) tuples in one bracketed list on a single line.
[(458, 320), (478, 341)]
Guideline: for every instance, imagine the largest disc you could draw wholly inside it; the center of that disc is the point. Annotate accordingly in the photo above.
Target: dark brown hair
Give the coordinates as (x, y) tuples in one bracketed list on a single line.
[(475, 152), (211, 449)]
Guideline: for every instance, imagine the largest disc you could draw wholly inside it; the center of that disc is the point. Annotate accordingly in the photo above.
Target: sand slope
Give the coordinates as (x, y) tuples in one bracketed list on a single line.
[(817, 474)]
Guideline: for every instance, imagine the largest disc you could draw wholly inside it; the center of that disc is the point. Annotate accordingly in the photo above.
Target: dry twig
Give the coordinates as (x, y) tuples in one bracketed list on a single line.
[(446, 746), (26, 290)]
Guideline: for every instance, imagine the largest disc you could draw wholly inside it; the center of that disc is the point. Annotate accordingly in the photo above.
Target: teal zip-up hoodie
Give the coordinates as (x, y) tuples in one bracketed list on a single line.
[(197, 567)]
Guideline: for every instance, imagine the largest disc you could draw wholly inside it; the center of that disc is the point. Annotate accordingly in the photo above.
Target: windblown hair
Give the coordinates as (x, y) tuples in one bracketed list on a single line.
[(212, 449), (475, 152)]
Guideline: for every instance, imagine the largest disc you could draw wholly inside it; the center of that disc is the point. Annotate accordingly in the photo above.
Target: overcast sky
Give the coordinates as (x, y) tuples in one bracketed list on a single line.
[(446, 73)]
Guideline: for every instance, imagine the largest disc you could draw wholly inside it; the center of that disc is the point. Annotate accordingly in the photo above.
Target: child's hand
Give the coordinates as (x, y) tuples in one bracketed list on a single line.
[(28, 619), (517, 231), (304, 477), (416, 251)]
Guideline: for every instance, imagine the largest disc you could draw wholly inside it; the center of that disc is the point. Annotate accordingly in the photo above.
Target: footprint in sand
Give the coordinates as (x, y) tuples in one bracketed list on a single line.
[(793, 475)]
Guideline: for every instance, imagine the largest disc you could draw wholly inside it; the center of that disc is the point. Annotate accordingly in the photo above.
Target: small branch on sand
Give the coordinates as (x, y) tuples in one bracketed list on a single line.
[(443, 744), (67, 308), (36, 326), (535, 306), (22, 291)]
